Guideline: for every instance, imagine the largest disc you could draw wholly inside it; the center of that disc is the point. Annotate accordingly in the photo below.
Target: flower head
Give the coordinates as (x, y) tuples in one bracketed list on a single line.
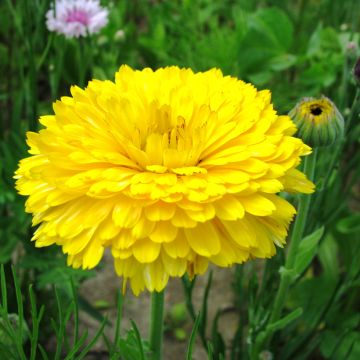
[(170, 169), (75, 18), (319, 121)]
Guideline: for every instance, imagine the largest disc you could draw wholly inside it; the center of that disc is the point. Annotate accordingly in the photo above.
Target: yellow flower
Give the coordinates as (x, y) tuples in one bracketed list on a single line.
[(170, 169), (319, 122)]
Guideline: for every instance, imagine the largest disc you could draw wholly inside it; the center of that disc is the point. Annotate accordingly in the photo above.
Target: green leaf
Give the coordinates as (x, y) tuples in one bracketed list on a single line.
[(138, 340), (282, 62), (218, 343), (204, 307), (192, 337), (340, 345), (349, 224), (328, 255), (275, 26), (285, 321), (307, 250), (315, 41)]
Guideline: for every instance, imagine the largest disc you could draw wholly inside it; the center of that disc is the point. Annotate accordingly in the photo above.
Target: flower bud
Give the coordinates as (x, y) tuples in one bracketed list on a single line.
[(357, 71), (351, 50), (319, 122)]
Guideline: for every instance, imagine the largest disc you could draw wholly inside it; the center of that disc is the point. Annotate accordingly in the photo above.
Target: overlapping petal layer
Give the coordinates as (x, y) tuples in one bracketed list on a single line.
[(171, 169)]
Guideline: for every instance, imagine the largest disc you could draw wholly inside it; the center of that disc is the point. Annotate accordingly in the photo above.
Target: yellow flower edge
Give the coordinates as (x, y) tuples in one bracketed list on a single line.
[(170, 169)]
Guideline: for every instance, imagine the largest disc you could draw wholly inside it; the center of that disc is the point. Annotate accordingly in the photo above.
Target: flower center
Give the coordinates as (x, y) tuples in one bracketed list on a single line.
[(78, 16), (316, 110)]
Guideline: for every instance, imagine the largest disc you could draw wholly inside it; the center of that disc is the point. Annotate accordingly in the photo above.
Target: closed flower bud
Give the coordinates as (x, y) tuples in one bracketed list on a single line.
[(357, 71), (319, 122)]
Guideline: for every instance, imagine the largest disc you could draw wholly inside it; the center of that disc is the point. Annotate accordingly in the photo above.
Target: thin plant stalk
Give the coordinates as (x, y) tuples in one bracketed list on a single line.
[(286, 277), (297, 234), (156, 324)]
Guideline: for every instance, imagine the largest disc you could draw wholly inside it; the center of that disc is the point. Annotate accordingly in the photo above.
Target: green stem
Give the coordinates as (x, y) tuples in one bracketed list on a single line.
[(297, 234), (156, 324), (353, 111), (60, 46), (286, 276), (338, 149)]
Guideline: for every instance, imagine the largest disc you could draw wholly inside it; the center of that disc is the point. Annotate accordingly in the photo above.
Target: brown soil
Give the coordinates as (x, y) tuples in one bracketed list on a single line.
[(103, 287)]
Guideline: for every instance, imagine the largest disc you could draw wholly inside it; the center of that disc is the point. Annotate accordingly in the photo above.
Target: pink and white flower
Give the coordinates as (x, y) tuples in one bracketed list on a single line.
[(75, 18)]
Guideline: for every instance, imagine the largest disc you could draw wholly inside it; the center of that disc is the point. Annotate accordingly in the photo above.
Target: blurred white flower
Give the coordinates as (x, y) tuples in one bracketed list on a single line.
[(75, 18), (119, 35)]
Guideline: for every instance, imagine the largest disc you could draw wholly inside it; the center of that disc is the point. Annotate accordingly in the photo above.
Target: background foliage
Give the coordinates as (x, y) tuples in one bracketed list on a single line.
[(295, 48)]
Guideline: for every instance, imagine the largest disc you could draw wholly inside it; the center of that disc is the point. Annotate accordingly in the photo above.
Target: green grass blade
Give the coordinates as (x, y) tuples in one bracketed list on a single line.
[(60, 330), (3, 289), (119, 302), (193, 337), (93, 341), (20, 306), (76, 311), (77, 346), (138, 339)]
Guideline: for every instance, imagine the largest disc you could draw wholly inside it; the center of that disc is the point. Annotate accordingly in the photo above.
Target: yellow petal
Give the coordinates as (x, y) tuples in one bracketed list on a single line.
[(146, 251), (198, 266), (181, 219), (164, 232), (125, 215), (204, 239), (155, 277), (230, 253), (154, 149), (124, 240), (229, 208), (128, 267), (241, 233), (108, 229), (142, 228), (160, 211), (179, 248), (206, 213), (78, 243), (189, 170), (295, 181), (258, 205), (174, 267), (270, 185), (92, 255)]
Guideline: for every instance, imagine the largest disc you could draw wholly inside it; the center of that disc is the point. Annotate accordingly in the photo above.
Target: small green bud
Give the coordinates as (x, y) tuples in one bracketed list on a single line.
[(178, 313), (180, 334), (319, 122)]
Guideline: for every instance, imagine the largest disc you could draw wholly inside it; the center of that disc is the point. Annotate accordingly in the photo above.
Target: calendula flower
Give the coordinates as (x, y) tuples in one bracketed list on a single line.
[(170, 169), (75, 18), (319, 121)]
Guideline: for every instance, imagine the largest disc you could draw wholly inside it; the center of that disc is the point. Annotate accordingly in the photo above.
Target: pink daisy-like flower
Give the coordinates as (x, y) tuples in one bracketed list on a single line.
[(75, 18)]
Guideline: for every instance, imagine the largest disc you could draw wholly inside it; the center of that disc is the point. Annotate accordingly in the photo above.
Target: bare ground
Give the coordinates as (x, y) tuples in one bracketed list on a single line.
[(103, 287)]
